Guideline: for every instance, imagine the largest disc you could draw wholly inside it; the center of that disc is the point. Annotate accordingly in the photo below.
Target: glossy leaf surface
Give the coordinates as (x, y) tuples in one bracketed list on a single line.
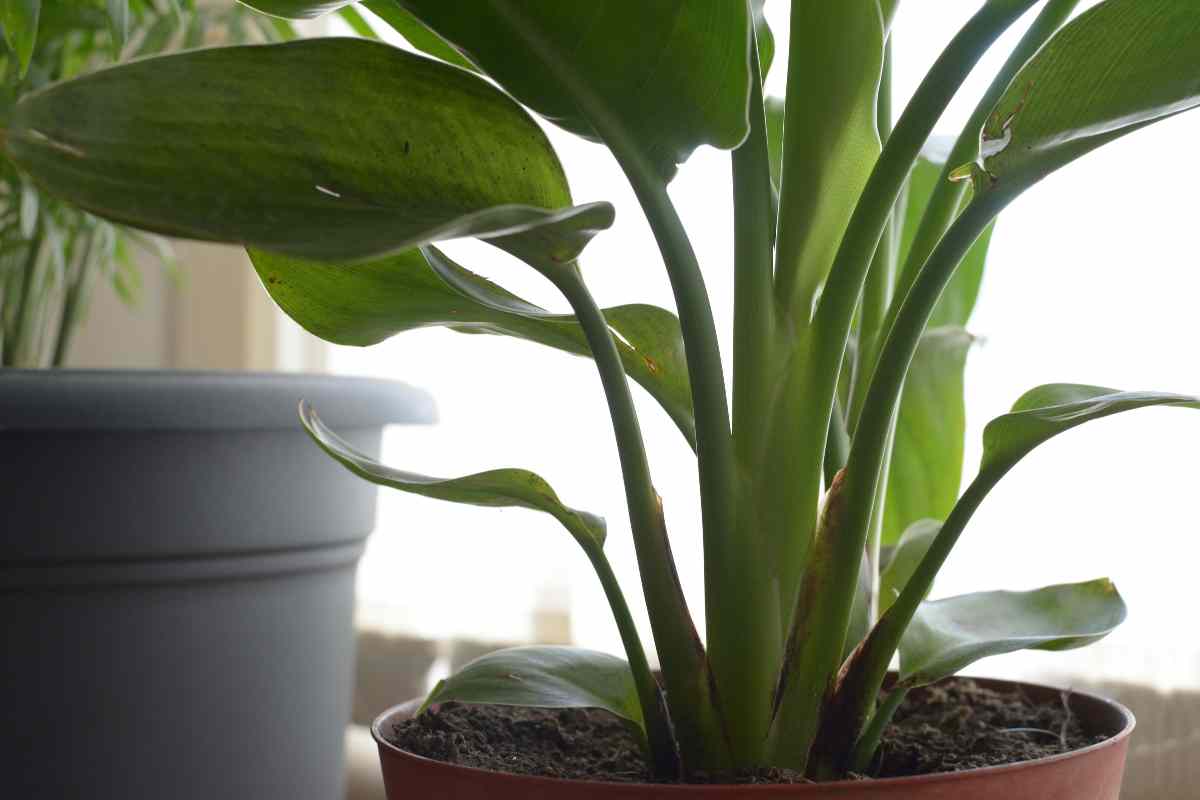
[(495, 488), (675, 72), (544, 676), (1116, 67), (927, 456), (404, 23), (1053, 408), (904, 556), (297, 9), (320, 148), (947, 635), (362, 304)]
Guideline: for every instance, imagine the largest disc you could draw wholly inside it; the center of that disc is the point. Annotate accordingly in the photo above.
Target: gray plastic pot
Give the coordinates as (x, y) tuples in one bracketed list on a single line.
[(177, 582)]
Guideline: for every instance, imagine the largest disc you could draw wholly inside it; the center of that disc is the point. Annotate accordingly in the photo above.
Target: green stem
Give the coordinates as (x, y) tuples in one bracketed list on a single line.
[(693, 707), (744, 637), (861, 685), (654, 709), (74, 301), (948, 195), (831, 581), (15, 344), (868, 743)]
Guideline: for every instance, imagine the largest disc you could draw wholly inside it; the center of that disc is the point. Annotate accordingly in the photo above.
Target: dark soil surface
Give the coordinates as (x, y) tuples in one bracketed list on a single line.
[(953, 726)]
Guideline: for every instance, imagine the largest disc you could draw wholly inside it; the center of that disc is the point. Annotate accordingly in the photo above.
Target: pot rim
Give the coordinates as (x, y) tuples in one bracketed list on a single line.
[(199, 400), (1129, 723)]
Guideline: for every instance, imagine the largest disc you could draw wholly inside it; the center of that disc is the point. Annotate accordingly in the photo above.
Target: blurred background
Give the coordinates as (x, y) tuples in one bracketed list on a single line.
[(1092, 278)]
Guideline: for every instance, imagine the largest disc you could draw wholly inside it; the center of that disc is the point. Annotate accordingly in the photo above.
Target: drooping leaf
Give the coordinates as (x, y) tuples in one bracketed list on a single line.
[(1113, 69), (297, 9), (905, 556), (948, 635), (362, 304), (1053, 408), (927, 455), (544, 676), (415, 33), (495, 488), (676, 72), (20, 21), (321, 148)]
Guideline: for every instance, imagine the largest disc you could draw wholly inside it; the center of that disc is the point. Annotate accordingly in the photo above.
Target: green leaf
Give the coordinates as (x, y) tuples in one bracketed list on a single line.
[(676, 73), (947, 635), (766, 39), (927, 455), (1113, 69), (496, 488), (416, 34), (393, 151), (1048, 410), (906, 555), (362, 304), (544, 676), (958, 300), (118, 24), (773, 107), (297, 9), (20, 21)]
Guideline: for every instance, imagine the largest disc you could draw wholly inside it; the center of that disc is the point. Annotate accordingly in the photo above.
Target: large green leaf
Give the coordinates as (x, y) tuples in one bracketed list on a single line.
[(676, 73), (20, 22), (905, 556), (297, 9), (1120, 65), (494, 488), (322, 149), (947, 635), (927, 455), (1053, 408), (362, 304), (544, 676)]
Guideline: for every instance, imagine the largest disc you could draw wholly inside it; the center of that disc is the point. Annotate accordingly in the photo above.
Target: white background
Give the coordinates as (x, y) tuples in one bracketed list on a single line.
[(1093, 277)]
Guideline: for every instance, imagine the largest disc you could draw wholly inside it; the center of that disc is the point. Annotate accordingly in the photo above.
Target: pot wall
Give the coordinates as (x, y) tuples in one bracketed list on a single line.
[(176, 582), (1093, 773)]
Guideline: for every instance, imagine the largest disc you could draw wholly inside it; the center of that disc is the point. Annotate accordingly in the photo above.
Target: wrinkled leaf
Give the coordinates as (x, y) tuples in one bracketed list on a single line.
[(905, 556), (1050, 409), (675, 72), (362, 304), (927, 457), (947, 635), (297, 9), (322, 148), (495, 488), (416, 34), (20, 23), (544, 676), (1113, 69)]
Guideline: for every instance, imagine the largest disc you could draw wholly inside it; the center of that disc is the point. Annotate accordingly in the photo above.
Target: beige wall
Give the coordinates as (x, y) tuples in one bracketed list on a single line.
[(213, 315)]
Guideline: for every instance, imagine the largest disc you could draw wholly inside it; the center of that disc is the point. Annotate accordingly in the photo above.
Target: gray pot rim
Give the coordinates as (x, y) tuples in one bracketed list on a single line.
[(142, 400)]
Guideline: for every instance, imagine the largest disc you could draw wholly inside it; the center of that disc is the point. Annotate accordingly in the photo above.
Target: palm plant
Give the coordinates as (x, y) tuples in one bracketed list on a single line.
[(859, 246), (51, 253)]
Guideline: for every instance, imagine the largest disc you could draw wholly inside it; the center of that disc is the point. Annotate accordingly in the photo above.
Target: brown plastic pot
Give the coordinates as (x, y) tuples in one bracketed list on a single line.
[(1091, 773)]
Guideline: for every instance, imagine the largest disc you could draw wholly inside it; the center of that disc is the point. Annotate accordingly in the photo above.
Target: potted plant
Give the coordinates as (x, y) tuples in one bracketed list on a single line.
[(340, 162), (174, 557)]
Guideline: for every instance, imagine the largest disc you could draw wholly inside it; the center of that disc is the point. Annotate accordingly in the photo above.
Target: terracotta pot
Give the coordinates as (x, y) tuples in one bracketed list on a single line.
[(1092, 773)]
